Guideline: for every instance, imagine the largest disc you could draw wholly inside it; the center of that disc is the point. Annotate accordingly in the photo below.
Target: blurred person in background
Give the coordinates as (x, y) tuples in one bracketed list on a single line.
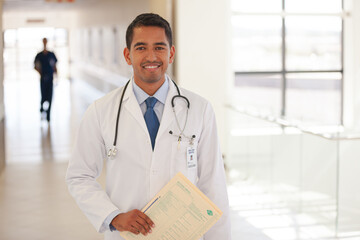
[(45, 65)]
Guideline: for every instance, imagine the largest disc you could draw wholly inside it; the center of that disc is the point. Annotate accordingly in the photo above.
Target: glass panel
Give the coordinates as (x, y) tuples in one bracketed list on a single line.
[(313, 43), (256, 5), (311, 6), (349, 214), (314, 97), (284, 182), (256, 43), (262, 92), (318, 171)]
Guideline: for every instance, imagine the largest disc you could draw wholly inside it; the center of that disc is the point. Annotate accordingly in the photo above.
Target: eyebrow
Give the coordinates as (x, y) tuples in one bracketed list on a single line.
[(139, 44), (161, 44), (157, 44)]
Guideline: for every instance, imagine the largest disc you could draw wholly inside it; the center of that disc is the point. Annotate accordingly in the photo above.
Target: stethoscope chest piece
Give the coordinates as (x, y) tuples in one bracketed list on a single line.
[(112, 152)]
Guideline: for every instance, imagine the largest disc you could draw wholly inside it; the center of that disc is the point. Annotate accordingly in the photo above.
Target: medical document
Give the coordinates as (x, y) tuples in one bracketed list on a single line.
[(180, 211)]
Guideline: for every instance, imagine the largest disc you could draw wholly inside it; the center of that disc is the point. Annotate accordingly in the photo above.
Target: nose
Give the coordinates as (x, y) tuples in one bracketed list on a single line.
[(151, 55)]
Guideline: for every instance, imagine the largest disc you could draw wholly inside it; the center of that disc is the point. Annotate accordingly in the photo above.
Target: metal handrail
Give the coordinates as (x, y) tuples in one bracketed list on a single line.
[(337, 136)]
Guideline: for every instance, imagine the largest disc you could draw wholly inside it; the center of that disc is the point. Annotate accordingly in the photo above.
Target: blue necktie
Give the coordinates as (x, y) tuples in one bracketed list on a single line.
[(151, 119)]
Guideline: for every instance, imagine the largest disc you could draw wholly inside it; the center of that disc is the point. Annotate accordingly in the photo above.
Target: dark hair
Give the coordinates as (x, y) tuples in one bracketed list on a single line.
[(148, 19)]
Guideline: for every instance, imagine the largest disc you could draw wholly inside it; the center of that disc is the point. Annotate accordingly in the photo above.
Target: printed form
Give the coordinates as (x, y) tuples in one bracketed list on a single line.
[(180, 211)]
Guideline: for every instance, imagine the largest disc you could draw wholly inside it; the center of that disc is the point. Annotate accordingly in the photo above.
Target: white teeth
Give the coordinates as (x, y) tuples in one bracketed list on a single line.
[(151, 66)]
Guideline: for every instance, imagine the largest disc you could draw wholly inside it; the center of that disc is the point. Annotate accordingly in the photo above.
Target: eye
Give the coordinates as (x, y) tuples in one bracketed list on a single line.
[(159, 48), (140, 48)]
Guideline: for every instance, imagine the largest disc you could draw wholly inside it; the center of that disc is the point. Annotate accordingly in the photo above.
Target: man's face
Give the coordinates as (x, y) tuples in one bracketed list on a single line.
[(150, 54), (44, 42)]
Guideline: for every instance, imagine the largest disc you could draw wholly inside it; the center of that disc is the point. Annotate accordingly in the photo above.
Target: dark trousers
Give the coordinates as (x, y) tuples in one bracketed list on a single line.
[(46, 87)]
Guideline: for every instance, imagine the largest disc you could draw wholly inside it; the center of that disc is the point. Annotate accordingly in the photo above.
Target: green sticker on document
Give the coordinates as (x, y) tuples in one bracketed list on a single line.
[(209, 212)]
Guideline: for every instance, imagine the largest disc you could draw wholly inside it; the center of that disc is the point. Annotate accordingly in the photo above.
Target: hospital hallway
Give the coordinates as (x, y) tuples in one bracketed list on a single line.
[(282, 78)]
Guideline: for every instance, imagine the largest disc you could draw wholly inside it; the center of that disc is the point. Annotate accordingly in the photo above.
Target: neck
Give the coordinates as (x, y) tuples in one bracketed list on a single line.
[(149, 88)]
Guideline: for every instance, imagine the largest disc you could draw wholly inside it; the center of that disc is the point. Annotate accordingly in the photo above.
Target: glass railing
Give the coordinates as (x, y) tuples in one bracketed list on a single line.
[(292, 181)]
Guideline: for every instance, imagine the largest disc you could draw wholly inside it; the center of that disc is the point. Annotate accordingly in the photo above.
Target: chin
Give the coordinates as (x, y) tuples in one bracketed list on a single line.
[(152, 79)]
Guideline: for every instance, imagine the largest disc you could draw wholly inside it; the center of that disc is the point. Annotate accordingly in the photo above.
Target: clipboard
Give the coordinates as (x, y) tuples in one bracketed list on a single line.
[(180, 211)]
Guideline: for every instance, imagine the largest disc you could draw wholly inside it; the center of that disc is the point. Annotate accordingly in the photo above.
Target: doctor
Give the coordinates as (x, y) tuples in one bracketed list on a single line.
[(152, 141)]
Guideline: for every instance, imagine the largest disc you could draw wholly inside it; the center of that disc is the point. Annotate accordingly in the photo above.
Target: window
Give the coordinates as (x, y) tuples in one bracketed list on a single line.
[(256, 43), (287, 58)]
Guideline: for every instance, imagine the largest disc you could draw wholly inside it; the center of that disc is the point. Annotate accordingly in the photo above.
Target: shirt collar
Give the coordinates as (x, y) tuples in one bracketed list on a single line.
[(160, 94)]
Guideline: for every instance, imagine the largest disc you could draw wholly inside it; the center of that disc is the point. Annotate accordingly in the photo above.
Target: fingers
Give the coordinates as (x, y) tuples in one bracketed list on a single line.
[(142, 228), (133, 230), (147, 219), (133, 221), (143, 223)]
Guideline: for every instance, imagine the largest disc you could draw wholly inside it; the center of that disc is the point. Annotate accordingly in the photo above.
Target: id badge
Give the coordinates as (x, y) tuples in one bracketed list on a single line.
[(191, 157)]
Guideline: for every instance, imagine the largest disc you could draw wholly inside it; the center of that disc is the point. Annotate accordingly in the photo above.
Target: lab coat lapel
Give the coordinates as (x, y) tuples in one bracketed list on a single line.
[(168, 115), (132, 106)]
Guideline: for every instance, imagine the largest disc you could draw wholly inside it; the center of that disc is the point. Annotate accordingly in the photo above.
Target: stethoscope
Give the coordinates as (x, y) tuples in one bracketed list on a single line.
[(112, 151)]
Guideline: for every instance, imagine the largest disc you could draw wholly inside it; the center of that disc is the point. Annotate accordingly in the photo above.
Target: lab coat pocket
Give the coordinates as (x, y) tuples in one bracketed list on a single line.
[(180, 162)]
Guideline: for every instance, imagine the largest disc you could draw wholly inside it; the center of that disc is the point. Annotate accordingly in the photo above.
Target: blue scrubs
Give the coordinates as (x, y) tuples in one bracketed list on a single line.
[(46, 62)]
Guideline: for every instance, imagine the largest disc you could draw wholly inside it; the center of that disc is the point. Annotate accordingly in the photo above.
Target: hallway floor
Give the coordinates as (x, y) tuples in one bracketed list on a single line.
[(34, 201)]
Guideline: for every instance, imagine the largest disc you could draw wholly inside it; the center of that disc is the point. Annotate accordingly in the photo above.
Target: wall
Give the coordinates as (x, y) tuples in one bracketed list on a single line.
[(203, 46), (163, 8), (352, 65), (2, 134), (1, 65), (349, 165)]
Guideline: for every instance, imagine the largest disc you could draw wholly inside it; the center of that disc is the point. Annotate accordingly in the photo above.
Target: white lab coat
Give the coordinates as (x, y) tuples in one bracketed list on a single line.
[(137, 173)]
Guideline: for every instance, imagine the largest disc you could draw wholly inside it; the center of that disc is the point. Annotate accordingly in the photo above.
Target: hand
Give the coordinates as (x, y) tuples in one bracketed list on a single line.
[(133, 221)]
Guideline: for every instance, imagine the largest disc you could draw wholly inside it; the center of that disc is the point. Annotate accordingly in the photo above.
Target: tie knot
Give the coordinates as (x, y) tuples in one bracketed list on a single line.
[(150, 102)]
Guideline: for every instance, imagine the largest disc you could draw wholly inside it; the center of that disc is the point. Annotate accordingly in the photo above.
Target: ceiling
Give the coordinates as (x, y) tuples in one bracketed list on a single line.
[(43, 5)]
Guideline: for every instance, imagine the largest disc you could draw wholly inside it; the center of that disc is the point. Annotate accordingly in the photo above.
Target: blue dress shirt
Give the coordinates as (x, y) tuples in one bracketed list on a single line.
[(160, 95)]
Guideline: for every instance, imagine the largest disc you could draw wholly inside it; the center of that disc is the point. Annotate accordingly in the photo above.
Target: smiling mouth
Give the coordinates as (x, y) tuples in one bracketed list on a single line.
[(151, 67)]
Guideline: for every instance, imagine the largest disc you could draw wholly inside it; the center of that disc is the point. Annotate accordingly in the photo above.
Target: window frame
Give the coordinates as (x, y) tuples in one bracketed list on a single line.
[(283, 72)]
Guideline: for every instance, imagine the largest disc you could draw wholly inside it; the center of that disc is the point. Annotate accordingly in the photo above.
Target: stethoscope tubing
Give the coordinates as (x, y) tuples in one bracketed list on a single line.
[(118, 113), (120, 105)]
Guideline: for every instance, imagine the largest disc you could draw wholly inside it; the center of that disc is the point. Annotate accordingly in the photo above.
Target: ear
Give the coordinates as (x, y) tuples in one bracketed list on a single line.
[(172, 54), (127, 55)]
